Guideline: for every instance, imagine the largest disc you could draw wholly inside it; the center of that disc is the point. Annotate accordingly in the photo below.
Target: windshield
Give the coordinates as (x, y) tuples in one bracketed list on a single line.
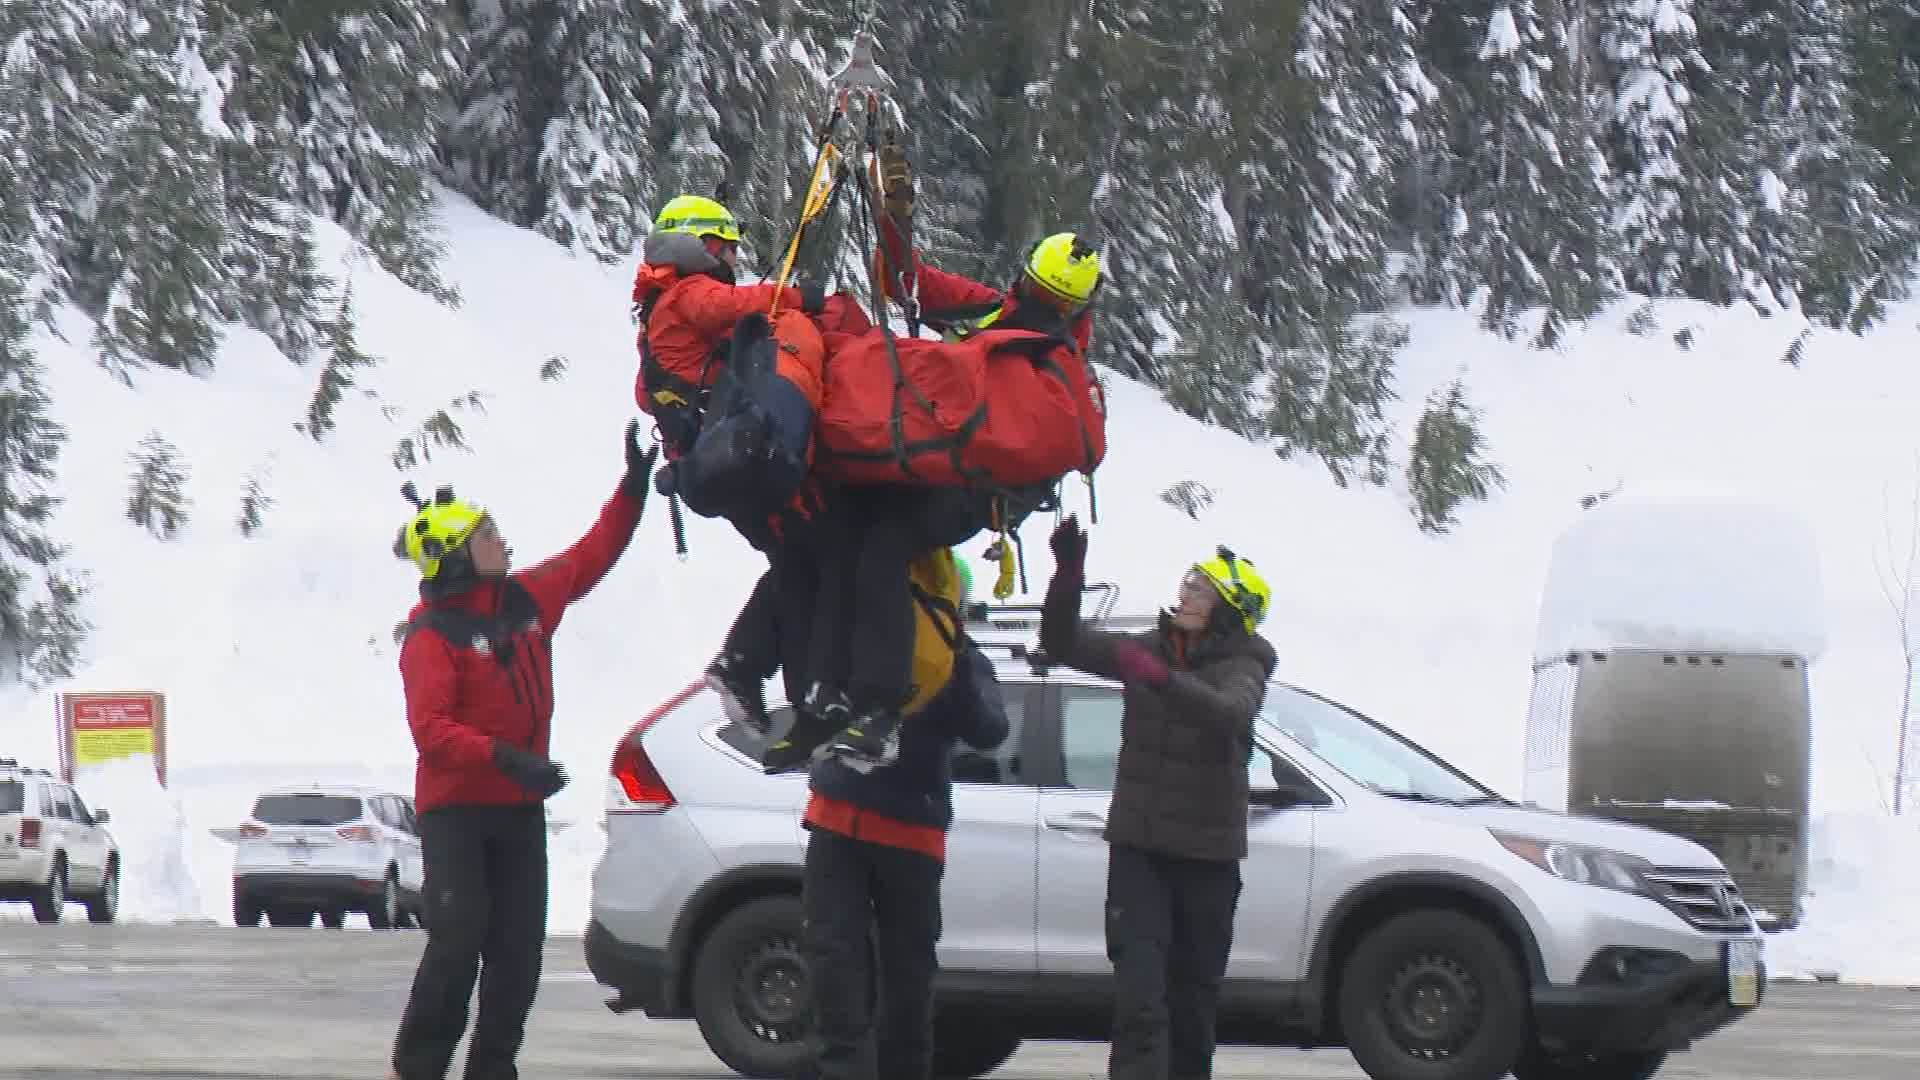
[(1367, 753)]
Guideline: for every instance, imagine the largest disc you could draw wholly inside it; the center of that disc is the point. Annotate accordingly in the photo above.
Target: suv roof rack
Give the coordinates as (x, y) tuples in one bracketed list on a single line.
[(1011, 631)]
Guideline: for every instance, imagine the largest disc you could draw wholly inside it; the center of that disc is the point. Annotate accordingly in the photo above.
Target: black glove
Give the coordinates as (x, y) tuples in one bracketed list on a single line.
[(639, 465), (531, 771), (813, 297), (1069, 547)]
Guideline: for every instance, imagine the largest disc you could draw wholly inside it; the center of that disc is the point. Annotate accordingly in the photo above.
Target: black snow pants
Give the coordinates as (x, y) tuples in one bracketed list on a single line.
[(486, 901), (772, 632), (864, 593), (872, 932), (1169, 930)]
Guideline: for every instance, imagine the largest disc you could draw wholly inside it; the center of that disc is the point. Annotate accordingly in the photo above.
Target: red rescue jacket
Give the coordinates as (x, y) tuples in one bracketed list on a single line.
[(461, 695), (691, 314)]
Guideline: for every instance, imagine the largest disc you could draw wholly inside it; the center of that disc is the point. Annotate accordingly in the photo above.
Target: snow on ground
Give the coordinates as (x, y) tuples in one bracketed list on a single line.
[(277, 657)]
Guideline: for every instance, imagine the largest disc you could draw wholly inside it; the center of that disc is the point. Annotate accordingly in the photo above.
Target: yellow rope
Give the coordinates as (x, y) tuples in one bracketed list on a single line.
[(818, 190)]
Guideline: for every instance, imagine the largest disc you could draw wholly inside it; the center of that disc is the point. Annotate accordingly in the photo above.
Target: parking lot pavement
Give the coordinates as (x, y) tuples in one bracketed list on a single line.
[(203, 1003)]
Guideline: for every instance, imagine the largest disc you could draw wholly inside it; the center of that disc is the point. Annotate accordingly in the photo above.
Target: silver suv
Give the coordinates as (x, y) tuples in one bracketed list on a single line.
[(1393, 905), (328, 849), (53, 849)]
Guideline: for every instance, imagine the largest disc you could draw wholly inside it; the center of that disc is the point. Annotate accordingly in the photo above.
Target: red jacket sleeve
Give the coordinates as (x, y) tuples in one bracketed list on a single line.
[(939, 290), (710, 306), (428, 675), (570, 575)]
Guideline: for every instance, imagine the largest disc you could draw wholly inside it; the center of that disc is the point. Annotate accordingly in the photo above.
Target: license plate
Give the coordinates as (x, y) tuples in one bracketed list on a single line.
[(1743, 972)]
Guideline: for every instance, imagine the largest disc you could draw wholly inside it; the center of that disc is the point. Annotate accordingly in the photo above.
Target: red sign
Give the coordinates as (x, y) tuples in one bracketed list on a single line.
[(98, 728)]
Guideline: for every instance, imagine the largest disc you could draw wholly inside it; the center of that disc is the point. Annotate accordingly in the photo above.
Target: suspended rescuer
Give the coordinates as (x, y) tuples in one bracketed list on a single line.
[(476, 665), (1177, 824), (689, 306), (879, 528), (876, 854)]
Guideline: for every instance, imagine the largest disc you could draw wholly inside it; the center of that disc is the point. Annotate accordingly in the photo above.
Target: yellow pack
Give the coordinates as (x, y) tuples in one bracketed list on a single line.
[(935, 584)]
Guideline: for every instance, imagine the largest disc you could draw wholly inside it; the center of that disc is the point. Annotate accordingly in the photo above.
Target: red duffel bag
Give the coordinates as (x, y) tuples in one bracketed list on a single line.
[(1000, 408)]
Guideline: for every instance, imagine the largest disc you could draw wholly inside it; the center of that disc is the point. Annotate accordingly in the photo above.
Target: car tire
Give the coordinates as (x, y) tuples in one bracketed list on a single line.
[(50, 899), (1433, 994), (104, 908), (245, 912), (333, 918), (384, 914), (969, 1047), (1633, 1065), (750, 993)]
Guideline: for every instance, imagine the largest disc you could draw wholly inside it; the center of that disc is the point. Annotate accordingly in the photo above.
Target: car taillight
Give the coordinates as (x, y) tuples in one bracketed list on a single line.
[(30, 832), (361, 833), (252, 830), (635, 786)]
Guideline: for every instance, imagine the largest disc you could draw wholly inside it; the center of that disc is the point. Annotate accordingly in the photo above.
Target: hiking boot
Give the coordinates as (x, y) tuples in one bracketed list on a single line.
[(871, 741), (742, 695), (821, 713)]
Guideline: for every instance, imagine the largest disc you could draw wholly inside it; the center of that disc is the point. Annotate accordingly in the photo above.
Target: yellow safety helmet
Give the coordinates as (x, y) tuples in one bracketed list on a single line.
[(1065, 266), (697, 215), (1239, 584), (437, 529)]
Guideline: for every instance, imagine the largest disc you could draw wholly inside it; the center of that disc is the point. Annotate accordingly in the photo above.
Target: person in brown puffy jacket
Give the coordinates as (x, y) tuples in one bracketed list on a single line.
[(1177, 824)]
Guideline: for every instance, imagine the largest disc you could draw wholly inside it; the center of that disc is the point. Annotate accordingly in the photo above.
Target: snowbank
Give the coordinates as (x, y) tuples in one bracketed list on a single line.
[(1708, 573), (1861, 885), (151, 827)]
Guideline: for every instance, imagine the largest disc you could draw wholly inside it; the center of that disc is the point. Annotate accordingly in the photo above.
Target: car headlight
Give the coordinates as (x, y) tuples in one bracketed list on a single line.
[(1580, 863)]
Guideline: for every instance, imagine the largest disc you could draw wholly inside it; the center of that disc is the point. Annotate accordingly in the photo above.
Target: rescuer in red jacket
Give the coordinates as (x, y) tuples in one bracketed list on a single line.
[(477, 665)]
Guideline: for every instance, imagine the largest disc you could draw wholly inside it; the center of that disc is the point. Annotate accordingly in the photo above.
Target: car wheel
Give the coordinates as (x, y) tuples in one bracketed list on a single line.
[(1637, 1065), (300, 917), (105, 907), (964, 1048), (245, 912), (385, 912), (750, 994), (333, 918), (1433, 995), (50, 900)]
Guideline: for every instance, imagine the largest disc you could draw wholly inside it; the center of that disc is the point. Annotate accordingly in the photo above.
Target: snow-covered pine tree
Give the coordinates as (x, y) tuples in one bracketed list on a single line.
[(1327, 137), (1309, 188), (1328, 396), (272, 268), (716, 111), (146, 265), (1128, 127), (944, 57), (54, 92), (157, 498), (1884, 42), (1848, 241), (342, 100), (1677, 149), (1531, 196), (254, 503), (553, 122), (40, 625), (344, 359), (1448, 465)]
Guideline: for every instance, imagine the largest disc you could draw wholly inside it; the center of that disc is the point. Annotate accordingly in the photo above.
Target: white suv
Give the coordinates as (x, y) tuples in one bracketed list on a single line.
[(327, 850), (53, 848), (1393, 906)]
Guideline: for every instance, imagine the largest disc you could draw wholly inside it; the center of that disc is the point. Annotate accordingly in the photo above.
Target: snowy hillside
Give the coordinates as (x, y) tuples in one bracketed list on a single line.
[(276, 651)]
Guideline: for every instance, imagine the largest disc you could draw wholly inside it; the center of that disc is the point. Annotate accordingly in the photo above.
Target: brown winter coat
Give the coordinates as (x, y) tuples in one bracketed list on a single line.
[(1181, 788)]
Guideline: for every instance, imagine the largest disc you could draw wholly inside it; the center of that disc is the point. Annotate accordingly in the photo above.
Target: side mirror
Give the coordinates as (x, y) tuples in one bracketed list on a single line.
[(101, 817)]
